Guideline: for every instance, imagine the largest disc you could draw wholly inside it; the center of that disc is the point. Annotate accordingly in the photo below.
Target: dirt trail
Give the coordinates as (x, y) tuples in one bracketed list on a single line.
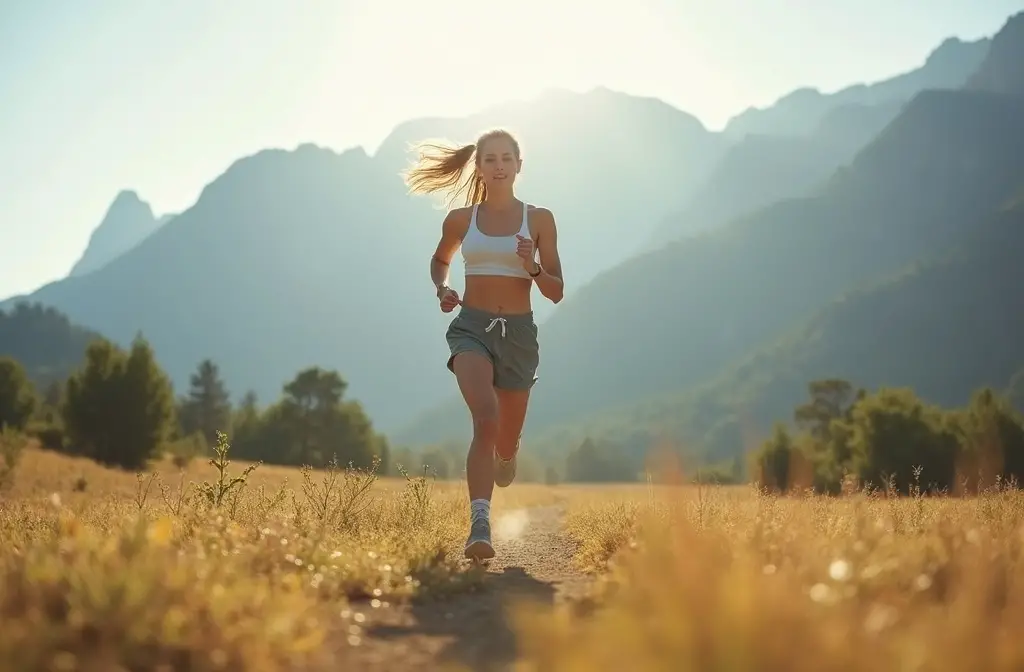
[(533, 560)]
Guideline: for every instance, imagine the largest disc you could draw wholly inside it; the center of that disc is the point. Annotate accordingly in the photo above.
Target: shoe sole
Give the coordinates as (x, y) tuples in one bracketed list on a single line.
[(498, 460), (505, 484), (479, 550)]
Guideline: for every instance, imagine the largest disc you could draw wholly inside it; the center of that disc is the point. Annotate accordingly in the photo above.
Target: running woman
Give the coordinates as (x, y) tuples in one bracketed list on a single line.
[(493, 338)]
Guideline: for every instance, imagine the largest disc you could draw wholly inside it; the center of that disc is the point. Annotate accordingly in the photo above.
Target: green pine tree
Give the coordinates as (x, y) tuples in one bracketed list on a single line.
[(18, 399), (207, 409), (118, 407)]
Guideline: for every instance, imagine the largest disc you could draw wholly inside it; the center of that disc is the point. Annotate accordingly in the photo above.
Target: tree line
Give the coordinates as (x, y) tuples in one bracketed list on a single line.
[(119, 409), (892, 439), (843, 436)]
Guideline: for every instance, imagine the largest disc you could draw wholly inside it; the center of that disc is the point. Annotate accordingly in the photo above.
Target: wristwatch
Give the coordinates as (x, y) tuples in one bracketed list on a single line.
[(540, 270)]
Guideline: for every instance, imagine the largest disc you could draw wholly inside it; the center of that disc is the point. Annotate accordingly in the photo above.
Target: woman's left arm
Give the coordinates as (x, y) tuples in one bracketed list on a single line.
[(549, 282)]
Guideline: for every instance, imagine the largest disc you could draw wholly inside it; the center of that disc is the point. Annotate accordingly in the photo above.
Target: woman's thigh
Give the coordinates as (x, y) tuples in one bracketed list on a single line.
[(475, 375)]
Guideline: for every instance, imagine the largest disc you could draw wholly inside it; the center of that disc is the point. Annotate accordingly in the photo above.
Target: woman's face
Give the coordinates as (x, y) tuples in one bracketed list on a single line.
[(497, 163)]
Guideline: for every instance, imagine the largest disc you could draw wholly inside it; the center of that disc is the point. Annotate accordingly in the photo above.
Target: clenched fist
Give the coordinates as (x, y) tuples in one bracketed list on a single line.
[(525, 250), (448, 297)]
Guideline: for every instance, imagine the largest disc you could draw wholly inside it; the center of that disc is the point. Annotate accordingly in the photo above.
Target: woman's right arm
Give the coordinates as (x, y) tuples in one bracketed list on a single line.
[(453, 229)]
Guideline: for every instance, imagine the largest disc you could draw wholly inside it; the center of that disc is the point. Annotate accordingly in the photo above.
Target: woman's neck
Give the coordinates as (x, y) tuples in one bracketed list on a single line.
[(501, 201)]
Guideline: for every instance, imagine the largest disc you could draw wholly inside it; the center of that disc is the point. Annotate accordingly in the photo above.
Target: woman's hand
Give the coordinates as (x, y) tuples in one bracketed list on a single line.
[(448, 297), (525, 250)]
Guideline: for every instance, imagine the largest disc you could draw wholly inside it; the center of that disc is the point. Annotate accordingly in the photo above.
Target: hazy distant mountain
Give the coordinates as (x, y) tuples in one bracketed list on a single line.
[(801, 111), (670, 320), (791, 148), (1003, 72), (128, 221), (762, 169), (944, 326), (294, 258)]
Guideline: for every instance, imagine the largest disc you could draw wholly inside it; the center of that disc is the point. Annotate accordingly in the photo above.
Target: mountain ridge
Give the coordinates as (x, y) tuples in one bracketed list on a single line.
[(128, 221), (950, 54), (806, 105), (278, 264), (768, 163)]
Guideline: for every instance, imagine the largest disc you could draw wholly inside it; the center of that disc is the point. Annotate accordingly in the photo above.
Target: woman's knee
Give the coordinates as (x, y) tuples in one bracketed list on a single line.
[(486, 422)]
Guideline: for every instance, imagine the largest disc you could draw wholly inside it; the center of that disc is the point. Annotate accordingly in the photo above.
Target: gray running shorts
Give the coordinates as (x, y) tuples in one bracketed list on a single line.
[(508, 341)]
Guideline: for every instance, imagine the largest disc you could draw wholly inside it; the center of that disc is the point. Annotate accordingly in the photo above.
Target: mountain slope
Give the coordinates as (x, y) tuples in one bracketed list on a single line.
[(294, 258), (673, 318), (762, 169), (1003, 71), (944, 327), (128, 221), (793, 147), (799, 112)]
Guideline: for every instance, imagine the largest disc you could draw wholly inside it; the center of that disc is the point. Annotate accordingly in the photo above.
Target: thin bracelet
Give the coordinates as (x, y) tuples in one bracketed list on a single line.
[(540, 269)]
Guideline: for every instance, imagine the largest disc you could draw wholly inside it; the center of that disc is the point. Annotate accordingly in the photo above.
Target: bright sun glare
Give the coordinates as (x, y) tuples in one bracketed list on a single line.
[(464, 54)]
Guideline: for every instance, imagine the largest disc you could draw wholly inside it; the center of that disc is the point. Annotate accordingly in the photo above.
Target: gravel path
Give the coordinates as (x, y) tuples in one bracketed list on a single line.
[(533, 560)]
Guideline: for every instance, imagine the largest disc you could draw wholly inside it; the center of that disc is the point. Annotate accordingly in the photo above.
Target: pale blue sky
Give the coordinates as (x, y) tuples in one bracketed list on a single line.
[(161, 96)]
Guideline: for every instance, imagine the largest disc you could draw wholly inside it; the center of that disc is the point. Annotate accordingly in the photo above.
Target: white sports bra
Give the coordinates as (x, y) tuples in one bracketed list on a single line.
[(494, 255)]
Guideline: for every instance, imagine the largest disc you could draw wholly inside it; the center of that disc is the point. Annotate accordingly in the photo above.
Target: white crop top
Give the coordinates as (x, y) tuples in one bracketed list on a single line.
[(494, 255)]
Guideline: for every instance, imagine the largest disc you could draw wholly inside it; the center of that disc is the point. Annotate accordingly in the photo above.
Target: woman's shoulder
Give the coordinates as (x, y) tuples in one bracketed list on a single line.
[(460, 213), (540, 215), (457, 220)]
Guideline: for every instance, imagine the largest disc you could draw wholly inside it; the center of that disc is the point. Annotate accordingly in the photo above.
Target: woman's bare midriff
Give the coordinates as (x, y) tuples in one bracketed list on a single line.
[(496, 294)]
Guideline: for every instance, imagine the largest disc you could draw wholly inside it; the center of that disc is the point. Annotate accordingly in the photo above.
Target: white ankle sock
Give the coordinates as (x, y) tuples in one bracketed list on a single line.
[(480, 508)]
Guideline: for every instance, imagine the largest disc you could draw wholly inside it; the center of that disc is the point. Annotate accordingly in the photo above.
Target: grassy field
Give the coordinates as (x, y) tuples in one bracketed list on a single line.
[(106, 570)]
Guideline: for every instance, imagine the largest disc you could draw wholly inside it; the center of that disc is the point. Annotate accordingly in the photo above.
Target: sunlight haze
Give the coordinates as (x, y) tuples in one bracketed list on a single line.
[(160, 98)]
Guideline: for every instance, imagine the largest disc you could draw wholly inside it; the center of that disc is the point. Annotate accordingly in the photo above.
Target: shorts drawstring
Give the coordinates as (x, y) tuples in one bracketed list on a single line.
[(494, 322)]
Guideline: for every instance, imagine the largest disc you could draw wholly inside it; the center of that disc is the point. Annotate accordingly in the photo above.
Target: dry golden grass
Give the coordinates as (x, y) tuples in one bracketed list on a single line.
[(107, 570), (102, 571), (733, 579)]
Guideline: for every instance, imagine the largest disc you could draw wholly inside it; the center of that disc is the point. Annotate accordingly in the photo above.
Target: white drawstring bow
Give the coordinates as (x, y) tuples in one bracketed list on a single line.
[(494, 322)]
